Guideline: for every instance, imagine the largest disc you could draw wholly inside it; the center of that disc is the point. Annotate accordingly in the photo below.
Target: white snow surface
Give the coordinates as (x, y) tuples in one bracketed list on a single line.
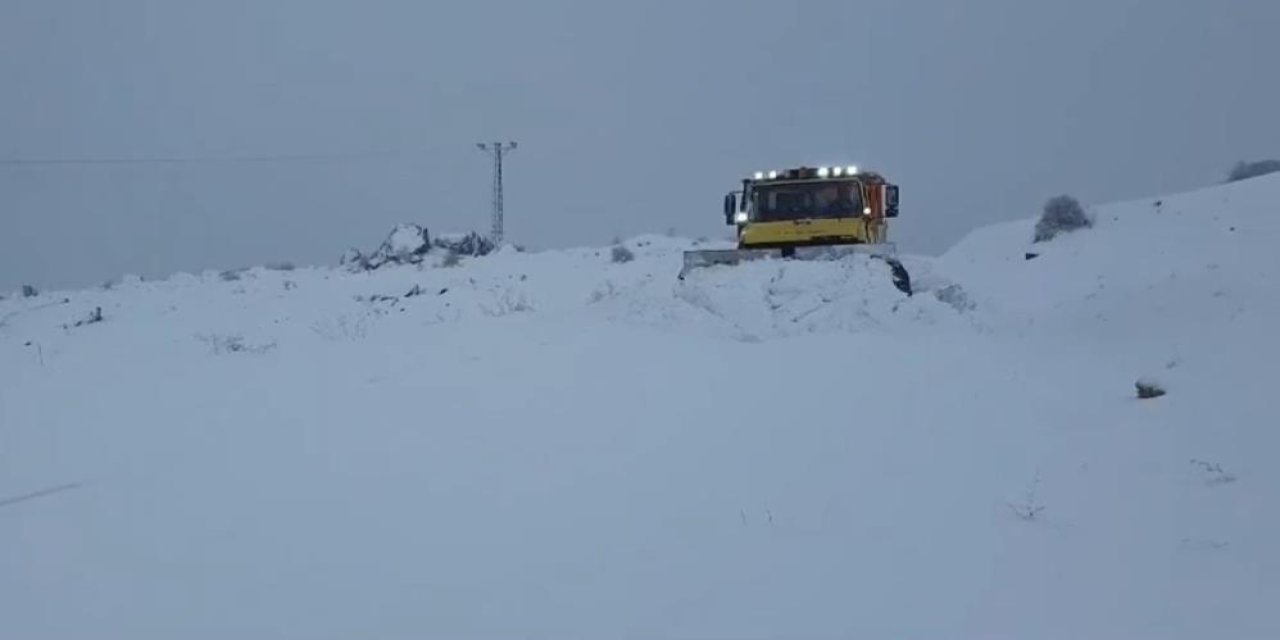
[(551, 445)]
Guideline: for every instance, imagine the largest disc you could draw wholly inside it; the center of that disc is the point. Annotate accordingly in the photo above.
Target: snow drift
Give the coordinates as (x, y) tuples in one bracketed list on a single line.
[(556, 445)]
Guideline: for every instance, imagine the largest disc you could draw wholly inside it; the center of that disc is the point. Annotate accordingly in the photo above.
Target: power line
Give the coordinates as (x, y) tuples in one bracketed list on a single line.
[(39, 494), (497, 150), (36, 162)]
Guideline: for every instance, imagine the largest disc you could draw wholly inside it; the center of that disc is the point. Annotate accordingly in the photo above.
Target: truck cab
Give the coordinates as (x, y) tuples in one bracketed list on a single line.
[(811, 206)]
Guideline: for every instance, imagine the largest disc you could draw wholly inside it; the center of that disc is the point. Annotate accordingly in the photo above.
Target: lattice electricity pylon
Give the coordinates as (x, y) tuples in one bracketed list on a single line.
[(497, 150)]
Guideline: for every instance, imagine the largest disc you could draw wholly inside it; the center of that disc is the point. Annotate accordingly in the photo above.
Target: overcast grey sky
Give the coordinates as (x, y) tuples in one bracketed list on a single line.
[(632, 117)]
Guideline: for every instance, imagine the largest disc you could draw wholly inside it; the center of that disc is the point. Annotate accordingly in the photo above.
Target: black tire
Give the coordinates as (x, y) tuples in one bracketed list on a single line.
[(901, 279)]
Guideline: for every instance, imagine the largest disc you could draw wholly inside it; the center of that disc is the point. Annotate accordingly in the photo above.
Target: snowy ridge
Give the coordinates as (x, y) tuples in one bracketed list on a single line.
[(1212, 236), (554, 445), (763, 300)]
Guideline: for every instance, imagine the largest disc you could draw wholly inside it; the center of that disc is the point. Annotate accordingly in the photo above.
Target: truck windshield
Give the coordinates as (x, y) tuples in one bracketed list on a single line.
[(842, 199)]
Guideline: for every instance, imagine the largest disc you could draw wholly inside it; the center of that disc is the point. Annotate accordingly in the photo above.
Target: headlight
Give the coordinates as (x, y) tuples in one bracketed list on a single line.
[(740, 217), (853, 171), (773, 175), (824, 172), (837, 171), (866, 211), (759, 175)]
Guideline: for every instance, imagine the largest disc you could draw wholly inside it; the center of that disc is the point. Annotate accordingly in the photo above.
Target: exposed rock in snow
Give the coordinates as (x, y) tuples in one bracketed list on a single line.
[(354, 260), (1149, 388), (466, 244), (406, 244), (410, 244)]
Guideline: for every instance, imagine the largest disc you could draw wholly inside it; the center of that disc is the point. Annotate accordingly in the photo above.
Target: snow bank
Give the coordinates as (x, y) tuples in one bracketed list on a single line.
[(1214, 236), (552, 444)]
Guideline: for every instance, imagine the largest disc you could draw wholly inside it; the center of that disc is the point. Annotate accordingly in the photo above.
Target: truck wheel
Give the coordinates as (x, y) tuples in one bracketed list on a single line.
[(901, 279)]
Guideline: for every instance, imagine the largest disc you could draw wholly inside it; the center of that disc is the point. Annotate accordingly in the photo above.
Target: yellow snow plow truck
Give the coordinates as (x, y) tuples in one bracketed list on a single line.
[(809, 213)]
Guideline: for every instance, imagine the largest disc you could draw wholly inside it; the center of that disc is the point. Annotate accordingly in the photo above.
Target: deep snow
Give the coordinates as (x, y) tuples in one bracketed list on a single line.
[(551, 445)]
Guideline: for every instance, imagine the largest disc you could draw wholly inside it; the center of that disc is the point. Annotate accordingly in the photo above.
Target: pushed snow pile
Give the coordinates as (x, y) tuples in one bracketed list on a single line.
[(774, 298), (761, 300), (561, 445), (397, 289)]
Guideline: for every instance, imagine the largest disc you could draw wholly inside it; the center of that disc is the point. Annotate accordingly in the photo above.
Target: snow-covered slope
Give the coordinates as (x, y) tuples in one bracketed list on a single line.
[(557, 445), (1174, 251)]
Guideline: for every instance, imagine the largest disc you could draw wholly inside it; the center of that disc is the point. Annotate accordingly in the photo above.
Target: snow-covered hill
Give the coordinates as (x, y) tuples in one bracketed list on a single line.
[(557, 445)]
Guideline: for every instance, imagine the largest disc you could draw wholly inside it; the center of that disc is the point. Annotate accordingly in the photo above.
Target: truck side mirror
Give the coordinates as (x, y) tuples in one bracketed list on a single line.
[(891, 201), (730, 207)]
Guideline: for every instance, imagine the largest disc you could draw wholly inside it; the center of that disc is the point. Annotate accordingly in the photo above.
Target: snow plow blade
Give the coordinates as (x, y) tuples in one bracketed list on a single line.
[(694, 260)]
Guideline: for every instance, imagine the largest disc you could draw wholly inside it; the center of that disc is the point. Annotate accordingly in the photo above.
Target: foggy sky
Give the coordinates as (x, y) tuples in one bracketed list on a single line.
[(632, 117)]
